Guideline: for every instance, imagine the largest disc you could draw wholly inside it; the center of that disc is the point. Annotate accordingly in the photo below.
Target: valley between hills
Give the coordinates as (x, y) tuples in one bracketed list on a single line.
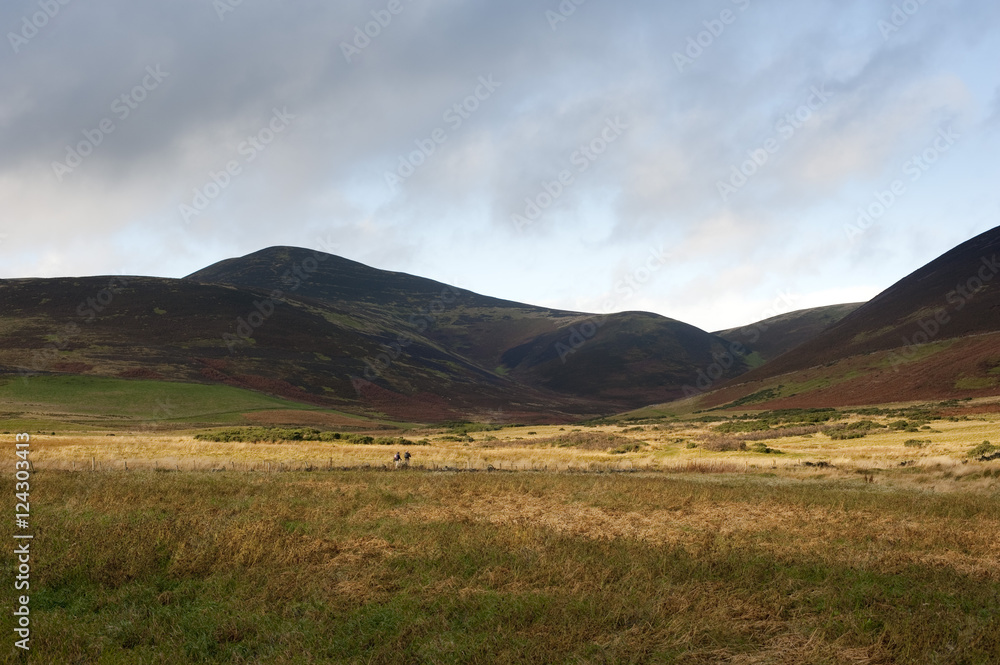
[(346, 362), (316, 331), (212, 465)]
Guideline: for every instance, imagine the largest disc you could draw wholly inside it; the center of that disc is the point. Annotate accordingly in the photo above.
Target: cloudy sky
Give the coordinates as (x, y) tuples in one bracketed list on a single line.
[(703, 160)]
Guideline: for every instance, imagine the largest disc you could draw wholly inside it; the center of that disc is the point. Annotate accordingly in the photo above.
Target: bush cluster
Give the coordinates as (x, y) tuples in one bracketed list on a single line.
[(983, 449), (278, 434), (857, 430)]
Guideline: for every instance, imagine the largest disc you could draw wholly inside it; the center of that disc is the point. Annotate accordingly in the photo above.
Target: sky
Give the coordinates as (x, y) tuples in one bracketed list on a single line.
[(715, 162)]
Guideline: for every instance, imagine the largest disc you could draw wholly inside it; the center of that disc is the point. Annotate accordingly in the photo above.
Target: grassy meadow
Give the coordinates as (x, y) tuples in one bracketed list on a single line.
[(739, 537), (88, 403), (913, 444), (416, 567)]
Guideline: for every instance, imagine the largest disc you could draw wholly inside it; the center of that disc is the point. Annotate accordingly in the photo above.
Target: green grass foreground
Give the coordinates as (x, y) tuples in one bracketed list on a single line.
[(412, 567)]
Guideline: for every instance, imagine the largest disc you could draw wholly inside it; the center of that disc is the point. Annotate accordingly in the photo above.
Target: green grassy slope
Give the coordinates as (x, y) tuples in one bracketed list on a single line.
[(107, 402), (772, 337)]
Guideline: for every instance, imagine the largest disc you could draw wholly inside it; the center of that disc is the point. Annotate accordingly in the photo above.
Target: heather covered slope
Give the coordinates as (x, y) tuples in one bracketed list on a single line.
[(934, 334), (179, 330), (954, 296), (633, 354), (770, 338), (325, 331), (622, 360)]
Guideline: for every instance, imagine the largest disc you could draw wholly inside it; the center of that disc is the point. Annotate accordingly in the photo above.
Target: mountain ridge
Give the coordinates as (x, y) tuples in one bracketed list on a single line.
[(329, 331), (324, 330), (934, 334)]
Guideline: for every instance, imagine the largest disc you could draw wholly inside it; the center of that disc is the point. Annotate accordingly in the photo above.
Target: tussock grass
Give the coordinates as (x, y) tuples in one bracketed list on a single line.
[(722, 442)]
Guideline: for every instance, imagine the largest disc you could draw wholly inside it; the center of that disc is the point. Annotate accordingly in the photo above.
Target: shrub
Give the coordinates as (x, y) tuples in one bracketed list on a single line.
[(266, 435), (760, 396), (627, 448), (856, 430), (590, 441), (782, 432), (277, 434), (742, 426), (916, 443), (576, 439), (908, 425), (720, 443), (984, 448), (798, 416), (844, 435), (463, 428)]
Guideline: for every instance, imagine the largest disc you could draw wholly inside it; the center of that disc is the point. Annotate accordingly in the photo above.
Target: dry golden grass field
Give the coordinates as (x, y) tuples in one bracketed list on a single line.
[(937, 452), (699, 539)]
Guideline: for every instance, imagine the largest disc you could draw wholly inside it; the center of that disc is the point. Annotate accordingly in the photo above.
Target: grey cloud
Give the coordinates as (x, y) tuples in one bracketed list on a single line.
[(326, 174)]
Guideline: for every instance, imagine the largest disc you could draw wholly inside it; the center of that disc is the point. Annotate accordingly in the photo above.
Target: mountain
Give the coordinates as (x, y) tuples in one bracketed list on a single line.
[(933, 335), (770, 338), (615, 360), (320, 329)]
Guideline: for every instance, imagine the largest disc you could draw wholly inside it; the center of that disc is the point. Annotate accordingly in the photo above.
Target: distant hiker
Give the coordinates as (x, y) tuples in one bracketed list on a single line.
[(407, 457), (397, 460)]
